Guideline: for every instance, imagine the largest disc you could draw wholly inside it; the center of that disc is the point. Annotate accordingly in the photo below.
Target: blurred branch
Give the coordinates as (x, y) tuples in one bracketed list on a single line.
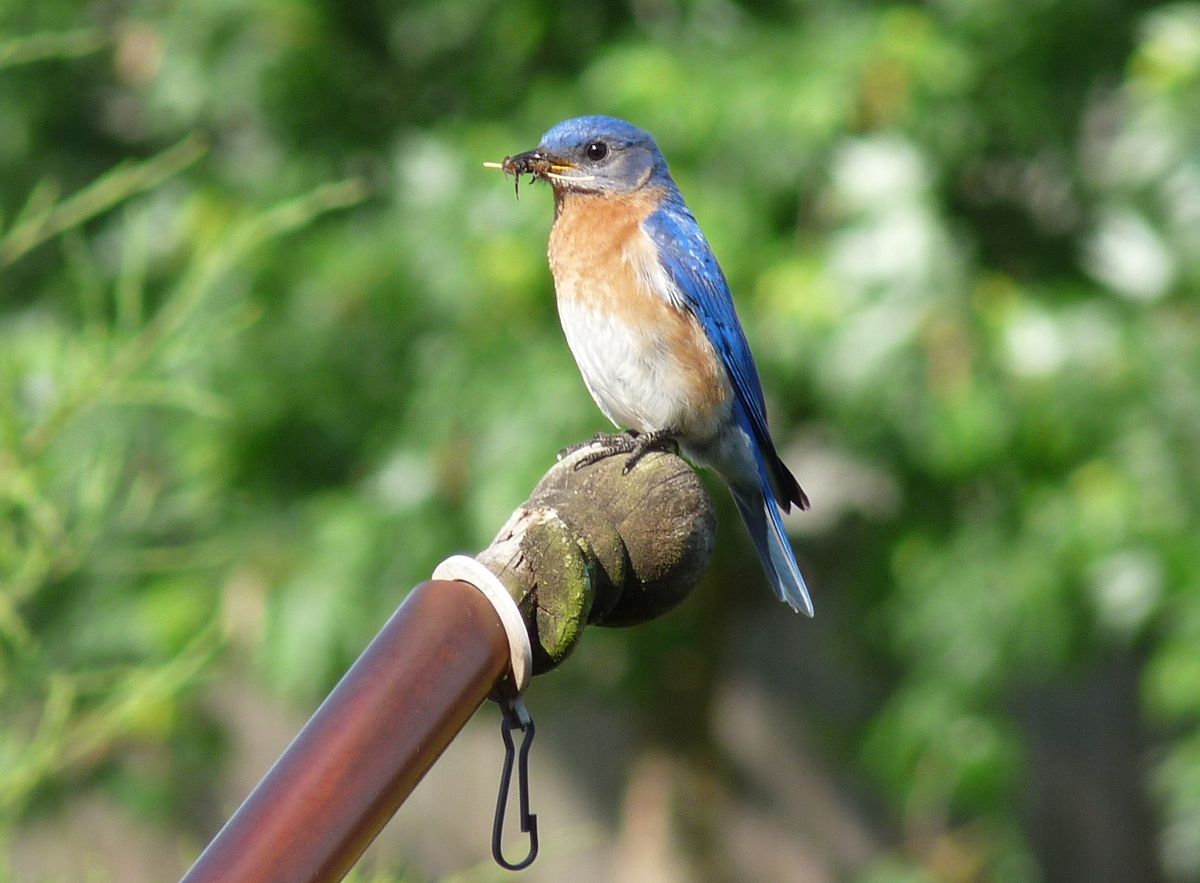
[(66, 736), (242, 239), (48, 46), (42, 540), (42, 219)]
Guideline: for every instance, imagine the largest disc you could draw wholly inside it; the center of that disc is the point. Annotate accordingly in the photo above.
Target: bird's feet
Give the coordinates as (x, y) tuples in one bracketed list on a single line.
[(600, 438), (636, 444), (644, 443)]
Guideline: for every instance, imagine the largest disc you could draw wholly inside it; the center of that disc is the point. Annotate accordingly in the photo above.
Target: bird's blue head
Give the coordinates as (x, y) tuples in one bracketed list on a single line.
[(594, 154)]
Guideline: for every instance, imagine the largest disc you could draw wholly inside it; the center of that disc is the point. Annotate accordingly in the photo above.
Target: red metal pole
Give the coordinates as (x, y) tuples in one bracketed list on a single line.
[(364, 750)]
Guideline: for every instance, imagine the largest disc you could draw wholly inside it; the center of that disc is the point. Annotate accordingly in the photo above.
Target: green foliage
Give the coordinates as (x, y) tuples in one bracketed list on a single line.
[(111, 533), (244, 408)]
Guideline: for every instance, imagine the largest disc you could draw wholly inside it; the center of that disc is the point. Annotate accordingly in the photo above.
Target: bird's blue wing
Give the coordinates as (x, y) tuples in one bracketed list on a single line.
[(690, 263), (688, 260)]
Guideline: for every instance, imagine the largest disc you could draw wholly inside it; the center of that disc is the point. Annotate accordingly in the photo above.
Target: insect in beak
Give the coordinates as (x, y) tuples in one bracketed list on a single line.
[(532, 162), (535, 163), (538, 164)]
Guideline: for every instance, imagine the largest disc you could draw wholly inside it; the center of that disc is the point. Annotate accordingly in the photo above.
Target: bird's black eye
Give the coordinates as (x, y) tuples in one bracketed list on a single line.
[(596, 151)]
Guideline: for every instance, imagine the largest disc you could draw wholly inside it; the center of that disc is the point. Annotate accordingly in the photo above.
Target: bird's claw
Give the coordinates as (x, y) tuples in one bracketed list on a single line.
[(604, 444), (660, 440), (600, 438), (635, 444)]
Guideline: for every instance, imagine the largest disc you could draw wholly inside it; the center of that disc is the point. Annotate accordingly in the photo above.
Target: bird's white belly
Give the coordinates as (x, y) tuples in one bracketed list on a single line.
[(633, 377)]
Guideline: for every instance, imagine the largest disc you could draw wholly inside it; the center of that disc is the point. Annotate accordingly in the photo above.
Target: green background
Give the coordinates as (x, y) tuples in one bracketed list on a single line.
[(273, 343)]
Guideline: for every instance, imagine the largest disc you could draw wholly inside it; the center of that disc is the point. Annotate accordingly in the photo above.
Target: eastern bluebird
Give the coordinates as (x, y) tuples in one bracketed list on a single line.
[(648, 315)]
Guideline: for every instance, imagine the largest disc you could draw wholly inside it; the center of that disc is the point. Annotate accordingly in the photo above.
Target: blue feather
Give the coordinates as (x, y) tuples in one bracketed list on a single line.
[(764, 522), (758, 505), (689, 261)]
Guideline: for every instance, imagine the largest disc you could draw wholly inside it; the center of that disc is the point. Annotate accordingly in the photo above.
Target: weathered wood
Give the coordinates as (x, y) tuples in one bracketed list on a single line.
[(598, 546)]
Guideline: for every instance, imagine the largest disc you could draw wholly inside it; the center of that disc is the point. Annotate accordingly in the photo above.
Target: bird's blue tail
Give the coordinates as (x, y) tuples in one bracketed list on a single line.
[(765, 523)]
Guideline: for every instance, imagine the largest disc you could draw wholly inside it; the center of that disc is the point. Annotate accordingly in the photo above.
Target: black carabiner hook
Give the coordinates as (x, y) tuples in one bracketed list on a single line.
[(515, 716)]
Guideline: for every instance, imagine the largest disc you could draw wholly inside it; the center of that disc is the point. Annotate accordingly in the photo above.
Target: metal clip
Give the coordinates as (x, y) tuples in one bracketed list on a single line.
[(515, 716)]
